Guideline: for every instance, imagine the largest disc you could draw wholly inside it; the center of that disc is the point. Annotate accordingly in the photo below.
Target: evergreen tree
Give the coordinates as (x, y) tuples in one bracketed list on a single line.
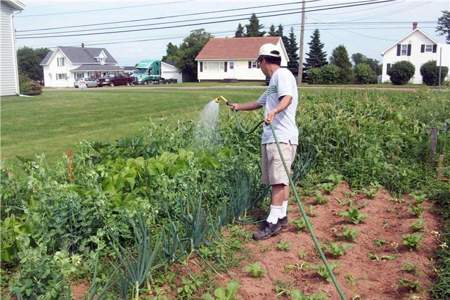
[(316, 57), (443, 27), (272, 31), (292, 49), (340, 59), (253, 28), (239, 31), (280, 33)]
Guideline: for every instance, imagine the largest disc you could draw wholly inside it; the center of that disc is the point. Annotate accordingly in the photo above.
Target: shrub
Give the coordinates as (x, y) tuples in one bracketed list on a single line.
[(401, 72), (314, 75), (28, 86), (430, 73), (329, 74), (364, 74)]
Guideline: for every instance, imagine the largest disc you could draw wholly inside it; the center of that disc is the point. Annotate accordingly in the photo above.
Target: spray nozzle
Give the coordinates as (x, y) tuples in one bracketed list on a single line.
[(222, 98)]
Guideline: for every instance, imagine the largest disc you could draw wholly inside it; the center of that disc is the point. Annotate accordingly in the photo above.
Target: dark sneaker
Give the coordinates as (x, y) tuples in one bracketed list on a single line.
[(283, 221), (266, 231)]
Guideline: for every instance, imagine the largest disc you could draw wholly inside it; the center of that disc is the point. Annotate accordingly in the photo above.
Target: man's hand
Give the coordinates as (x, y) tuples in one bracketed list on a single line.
[(234, 106), (270, 117)]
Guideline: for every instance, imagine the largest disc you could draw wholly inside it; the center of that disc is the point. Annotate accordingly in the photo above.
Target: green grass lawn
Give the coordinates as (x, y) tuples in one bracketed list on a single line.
[(58, 120)]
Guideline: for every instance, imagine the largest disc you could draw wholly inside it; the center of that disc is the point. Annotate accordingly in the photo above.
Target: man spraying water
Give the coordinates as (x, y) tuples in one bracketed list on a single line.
[(280, 105)]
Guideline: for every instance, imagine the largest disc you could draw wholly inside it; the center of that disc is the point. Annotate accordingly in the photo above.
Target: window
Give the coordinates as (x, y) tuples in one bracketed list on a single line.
[(255, 64), (231, 65), (388, 68), (404, 49), (428, 48), (60, 61), (61, 76), (201, 66), (249, 64)]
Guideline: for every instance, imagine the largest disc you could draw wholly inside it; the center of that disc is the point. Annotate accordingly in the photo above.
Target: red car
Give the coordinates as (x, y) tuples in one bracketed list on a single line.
[(113, 80)]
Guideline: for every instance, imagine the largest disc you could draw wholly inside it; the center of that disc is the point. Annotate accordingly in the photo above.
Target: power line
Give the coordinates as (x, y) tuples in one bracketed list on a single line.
[(203, 23), (166, 17), (99, 9)]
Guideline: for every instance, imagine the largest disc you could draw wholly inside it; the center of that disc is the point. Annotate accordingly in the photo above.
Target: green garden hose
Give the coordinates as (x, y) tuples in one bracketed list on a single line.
[(308, 224)]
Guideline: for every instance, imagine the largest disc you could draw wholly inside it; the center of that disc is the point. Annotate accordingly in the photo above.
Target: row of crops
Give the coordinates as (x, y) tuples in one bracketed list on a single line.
[(115, 213)]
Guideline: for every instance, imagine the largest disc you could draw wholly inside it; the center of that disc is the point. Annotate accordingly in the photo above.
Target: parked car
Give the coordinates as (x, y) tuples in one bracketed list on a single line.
[(87, 82), (113, 80)]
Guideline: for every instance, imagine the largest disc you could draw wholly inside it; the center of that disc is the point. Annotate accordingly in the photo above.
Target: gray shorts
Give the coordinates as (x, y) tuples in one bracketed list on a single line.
[(273, 171)]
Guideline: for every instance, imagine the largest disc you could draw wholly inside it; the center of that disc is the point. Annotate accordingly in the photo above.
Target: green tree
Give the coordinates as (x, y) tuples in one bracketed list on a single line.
[(359, 58), (330, 74), (292, 49), (444, 25), (29, 59), (272, 31), (364, 74), (240, 31), (184, 55), (316, 57), (254, 28), (171, 53), (280, 33), (339, 57)]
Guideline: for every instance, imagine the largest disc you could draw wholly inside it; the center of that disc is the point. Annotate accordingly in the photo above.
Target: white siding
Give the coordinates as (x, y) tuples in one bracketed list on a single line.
[(417, 58), (9, 82)]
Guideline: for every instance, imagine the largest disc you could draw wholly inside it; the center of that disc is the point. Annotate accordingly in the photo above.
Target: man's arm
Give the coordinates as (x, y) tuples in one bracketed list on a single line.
[(245, 106), (284, 102)]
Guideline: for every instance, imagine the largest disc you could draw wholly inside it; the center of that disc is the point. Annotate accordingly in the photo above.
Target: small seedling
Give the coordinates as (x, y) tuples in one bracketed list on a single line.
[(416, 209), (350, 279), (409, 267), (418, 225), (349, 234), (255, 270), (410, 285), (379, 242), (353, 215), (327, 187), (375, 257), (370, 192), (320, 200), (299, 224), (281, 288), (224, 293), (310, 211), (302, 254), (335, 249), (283, 246), (298, 266), (412, 241), (418, 197), (298, 295), (322, 271)]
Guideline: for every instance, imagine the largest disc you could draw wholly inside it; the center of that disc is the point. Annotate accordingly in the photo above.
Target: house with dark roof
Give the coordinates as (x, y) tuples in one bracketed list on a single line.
[(65, 65), (418, 48), (223, 59)]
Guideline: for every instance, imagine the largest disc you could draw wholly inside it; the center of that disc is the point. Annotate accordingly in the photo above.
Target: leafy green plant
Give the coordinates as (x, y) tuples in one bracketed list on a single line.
[(321, 270), (379, 242), (409, 267), (412, 241), (373, 256), (371, 191), (416, 209), (335, 249), (418, 225), (255, 270), (299, 224), (410, 285), (310, 211), (299, 295), (320, 199), (283, 246), (224, 293), (348, 234), (353, 215), (189, 286)]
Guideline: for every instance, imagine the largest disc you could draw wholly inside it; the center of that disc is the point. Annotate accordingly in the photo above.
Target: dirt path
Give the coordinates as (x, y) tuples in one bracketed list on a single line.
[(366, 270)]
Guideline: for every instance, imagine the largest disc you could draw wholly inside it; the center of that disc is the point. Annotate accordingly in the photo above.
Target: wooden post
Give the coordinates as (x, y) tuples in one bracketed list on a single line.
[(433, 137), (69, 154)]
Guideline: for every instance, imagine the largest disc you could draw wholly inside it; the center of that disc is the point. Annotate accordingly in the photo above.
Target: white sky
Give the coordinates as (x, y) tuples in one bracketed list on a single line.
[(369, 39)]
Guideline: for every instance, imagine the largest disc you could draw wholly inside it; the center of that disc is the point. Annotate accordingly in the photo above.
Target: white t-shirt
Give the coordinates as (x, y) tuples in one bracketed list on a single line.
[(282, 83)]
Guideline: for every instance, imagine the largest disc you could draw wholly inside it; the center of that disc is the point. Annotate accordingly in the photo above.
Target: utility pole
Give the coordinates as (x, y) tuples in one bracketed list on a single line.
[(302, 35), (440, 66)]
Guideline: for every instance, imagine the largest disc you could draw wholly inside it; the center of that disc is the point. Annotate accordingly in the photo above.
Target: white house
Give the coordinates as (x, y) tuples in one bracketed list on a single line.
[(64, 65), (234, 58), (417, 48), (9, 76)]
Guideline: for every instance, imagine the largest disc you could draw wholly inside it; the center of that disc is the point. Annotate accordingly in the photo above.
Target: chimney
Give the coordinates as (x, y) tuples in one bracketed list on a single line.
[(414, 25), (82, 45)]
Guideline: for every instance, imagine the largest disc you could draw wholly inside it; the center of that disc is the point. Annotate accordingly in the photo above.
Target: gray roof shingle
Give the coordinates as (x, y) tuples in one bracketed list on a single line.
[(80, 55)]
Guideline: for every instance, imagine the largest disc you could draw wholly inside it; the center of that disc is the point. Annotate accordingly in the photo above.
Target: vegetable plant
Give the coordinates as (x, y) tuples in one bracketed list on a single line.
[(412, 241), (283, 246), (353, 215), (255, 270)]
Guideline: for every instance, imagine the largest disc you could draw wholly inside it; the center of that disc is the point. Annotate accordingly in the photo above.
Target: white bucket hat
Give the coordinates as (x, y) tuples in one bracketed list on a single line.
[(269, 50)]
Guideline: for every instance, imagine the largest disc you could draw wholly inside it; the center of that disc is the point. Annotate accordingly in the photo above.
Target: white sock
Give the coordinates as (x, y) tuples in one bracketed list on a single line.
[(284, 212), (275, 214)]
